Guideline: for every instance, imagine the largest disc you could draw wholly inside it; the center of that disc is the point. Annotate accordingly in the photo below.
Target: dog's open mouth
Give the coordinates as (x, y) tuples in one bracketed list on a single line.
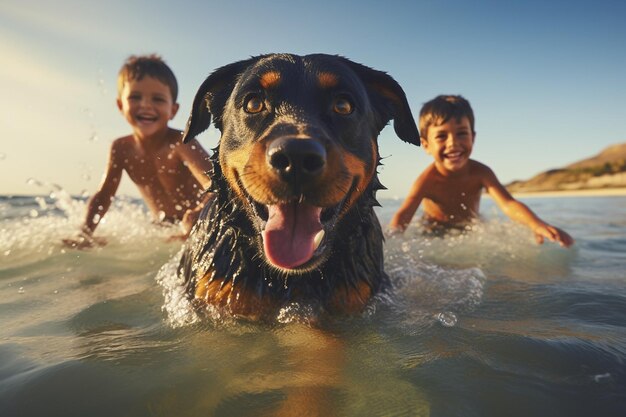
[(295, 234), (292, 233)]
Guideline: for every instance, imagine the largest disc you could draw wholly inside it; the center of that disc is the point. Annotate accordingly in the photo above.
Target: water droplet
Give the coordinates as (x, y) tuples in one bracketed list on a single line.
[(41, 202), (178, 207), (602, 377), (33, 213), (7, 252), (86, 177), (21, 290), (97, 218), (161, 215), (94, 137), (32, 181), (447, 319), (463, 206), (2, 156)]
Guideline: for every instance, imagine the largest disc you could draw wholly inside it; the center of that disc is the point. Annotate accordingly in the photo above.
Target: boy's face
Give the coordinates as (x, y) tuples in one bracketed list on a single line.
[(147, 105), (450, 143)]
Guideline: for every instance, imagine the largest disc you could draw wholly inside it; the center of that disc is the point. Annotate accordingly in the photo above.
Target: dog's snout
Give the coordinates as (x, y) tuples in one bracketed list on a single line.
[(296, 159)]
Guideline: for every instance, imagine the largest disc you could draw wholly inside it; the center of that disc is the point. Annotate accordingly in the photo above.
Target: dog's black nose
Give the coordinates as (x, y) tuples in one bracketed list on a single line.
[(296, 159)]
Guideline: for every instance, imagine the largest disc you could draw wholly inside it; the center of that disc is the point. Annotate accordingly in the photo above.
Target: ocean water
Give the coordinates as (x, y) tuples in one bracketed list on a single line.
[(485, 323)]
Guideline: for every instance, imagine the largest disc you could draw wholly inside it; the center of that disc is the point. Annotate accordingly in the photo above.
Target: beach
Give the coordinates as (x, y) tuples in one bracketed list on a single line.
[(590, 192)]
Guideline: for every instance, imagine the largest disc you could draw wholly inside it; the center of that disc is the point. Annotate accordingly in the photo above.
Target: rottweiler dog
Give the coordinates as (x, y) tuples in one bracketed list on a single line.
[(294, 177)]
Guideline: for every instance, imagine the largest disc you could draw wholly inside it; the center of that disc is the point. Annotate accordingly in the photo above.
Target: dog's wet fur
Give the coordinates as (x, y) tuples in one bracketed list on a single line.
[(296, 162)]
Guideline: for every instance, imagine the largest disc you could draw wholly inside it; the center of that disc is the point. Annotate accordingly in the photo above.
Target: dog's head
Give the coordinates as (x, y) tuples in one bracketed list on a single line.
[(298, 145)]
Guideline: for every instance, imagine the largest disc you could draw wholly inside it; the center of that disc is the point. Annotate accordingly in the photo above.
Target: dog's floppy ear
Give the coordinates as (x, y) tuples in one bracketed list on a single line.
[(389, 100), (211, 98)]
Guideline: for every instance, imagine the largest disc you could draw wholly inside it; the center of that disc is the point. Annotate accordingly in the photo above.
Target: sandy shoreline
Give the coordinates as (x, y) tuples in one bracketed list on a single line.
[(592, 192)]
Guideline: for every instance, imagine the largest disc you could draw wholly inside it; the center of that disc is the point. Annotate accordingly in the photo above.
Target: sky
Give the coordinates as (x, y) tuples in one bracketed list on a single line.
[(546, 79)]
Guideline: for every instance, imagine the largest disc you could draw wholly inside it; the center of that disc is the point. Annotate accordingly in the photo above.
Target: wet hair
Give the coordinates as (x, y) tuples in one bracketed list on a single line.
[(441, 109), (136, 67)]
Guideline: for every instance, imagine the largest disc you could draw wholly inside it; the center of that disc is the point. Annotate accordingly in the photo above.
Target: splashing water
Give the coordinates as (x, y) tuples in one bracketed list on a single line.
[(50, 219), (475, 321), (179, 309)]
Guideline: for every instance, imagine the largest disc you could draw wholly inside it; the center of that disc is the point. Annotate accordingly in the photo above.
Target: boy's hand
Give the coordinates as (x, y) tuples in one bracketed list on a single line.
[(189, 219), (554, 234), (187, 222), (84, 241), (177, 238), (393, 231)]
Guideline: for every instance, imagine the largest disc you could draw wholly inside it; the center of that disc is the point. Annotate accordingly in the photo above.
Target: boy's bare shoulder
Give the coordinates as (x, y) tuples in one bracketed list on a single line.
[(174, 136), (479, 169), (429, 173), (123, 148), (123, 141)]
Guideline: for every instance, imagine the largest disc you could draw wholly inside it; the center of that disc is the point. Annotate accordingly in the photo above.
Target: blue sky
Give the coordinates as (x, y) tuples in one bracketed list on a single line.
[(546, 79)]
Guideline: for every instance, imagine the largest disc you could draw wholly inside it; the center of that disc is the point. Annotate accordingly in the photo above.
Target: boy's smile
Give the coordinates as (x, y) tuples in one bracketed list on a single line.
[(147, 105), (450, 144)]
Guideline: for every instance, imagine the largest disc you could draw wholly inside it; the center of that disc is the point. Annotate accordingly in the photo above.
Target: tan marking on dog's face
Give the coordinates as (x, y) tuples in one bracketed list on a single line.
[(270, 79), (327, 79), (247, 167), (363, 170), (233, 164)]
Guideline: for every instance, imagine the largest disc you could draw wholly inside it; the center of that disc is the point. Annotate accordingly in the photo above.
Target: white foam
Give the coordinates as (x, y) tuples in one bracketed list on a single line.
[(179, 309)]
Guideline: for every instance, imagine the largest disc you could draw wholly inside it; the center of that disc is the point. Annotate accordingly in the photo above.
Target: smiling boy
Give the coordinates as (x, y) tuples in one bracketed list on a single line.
[(170, 176), (450, 188)]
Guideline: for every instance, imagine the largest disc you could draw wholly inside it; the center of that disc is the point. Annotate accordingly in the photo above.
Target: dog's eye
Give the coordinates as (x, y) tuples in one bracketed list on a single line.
[(254, 104), (342, 105)]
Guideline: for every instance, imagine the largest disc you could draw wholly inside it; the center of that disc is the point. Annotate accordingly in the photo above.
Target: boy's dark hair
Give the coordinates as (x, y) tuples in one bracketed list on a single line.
[(136, 67), (441, 109)]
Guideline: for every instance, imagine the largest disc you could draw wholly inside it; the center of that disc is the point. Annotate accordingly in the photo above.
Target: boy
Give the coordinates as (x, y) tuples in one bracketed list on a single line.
[(451, 187), (171, 177)]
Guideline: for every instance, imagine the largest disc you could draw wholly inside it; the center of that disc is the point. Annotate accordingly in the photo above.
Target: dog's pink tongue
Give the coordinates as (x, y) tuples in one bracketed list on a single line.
[(288, 238)]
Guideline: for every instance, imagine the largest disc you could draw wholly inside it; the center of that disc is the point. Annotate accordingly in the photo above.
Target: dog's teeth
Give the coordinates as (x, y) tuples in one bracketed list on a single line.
[(318, 238)]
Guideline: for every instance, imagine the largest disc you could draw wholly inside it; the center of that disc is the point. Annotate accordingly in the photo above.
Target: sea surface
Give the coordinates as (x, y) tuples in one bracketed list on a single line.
[(483, 323)]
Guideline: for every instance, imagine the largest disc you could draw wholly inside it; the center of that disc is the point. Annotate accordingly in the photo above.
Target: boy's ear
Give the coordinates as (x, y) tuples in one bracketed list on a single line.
[(389, 101), (175, 108), (119, 103), (211, 98)]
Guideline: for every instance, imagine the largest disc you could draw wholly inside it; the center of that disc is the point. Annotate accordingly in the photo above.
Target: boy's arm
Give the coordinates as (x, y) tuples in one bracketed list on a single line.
[(402, 218), (199, 163), (519, 212), (100, 201), (197, 160)]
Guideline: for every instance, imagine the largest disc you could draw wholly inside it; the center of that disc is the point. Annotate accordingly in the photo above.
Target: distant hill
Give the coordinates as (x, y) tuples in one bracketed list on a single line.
[(605, 170)]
